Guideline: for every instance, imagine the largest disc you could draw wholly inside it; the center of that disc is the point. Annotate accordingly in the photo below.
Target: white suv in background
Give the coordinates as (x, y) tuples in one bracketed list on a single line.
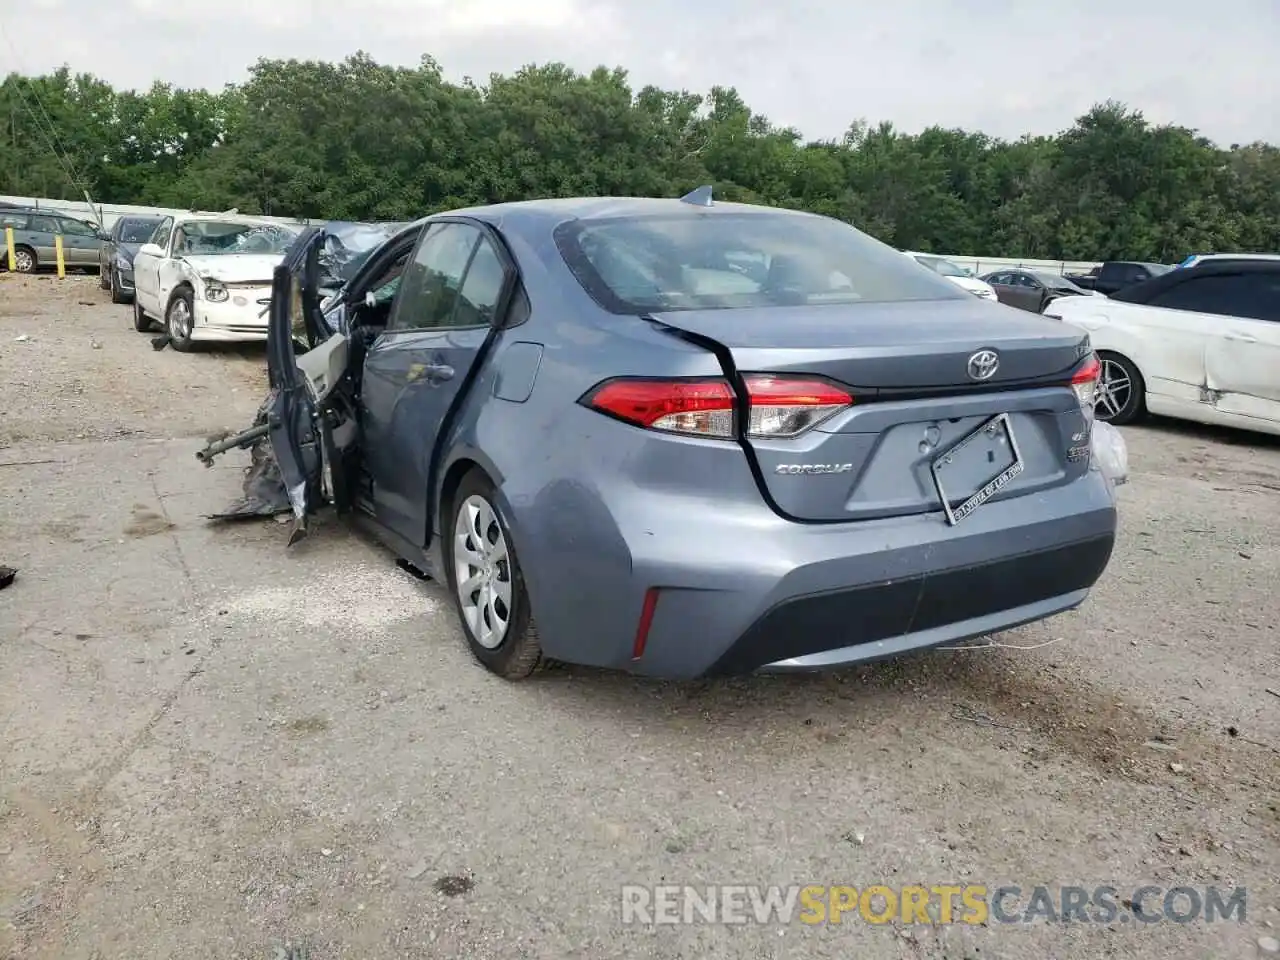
[(957, 275)]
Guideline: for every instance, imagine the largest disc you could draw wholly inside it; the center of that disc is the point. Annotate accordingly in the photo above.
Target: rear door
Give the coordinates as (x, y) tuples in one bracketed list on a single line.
[(416, 371), (80, 243), (921, 378), (40, 233), (1008, 288), (1025, 292), (1242, 358)]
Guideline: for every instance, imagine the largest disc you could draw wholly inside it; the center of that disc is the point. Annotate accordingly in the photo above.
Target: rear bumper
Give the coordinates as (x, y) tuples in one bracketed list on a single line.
[(740, 590), (878, 620)]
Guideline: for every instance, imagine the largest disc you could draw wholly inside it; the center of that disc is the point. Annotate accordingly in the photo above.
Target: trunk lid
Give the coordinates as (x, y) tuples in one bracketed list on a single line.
[(919, 384)]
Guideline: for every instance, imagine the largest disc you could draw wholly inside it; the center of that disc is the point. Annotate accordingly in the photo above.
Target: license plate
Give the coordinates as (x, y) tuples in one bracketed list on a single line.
[(984, 461)]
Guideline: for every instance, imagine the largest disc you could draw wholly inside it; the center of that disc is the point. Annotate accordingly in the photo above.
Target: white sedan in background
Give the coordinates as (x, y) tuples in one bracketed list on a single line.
[(208, 277), (1199, 343), (956, 274)]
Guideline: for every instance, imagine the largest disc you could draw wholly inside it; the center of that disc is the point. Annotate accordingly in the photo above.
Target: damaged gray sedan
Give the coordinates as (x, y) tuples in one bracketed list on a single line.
[(682, 438)]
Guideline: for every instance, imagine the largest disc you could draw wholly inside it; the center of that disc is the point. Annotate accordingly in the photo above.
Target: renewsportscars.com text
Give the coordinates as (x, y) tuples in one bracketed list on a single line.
[(939, 904)]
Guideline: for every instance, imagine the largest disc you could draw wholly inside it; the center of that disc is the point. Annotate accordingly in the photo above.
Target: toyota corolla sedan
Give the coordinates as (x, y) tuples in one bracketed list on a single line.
[(687, 438)]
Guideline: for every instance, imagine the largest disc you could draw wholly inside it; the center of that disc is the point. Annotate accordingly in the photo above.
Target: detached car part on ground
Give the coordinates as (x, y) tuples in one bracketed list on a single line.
[(683, 438)]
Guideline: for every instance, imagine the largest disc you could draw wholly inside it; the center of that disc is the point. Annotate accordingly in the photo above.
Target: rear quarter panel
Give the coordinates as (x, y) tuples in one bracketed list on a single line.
[(561, 471)]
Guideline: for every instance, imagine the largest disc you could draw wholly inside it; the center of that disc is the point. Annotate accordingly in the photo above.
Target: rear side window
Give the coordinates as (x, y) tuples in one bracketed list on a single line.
[(16, 220), (1227, 295), (702, 261), (43, 225), (76, 229), (429, 290), (455, 279)]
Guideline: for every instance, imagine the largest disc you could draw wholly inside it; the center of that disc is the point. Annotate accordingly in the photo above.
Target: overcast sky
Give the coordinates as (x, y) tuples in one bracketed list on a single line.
[(1000, 66)]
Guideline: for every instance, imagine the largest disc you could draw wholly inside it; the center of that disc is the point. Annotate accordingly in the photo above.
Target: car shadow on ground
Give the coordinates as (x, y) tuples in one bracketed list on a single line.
[(1001, 690), (255, 352), (945, 696), (1206, 433)]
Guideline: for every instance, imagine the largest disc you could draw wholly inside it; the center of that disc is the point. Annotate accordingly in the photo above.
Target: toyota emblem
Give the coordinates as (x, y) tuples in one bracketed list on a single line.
[(984, 364)]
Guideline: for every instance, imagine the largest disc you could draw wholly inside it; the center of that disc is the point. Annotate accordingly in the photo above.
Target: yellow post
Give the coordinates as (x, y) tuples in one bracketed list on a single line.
[(8, 239), (62, 264)]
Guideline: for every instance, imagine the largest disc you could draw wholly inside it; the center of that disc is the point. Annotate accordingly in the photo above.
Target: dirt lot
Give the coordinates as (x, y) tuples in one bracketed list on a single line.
[(213, 747)]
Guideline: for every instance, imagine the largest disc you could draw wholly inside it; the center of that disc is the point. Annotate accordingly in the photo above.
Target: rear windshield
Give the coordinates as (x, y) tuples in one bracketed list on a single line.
[(698, 261)]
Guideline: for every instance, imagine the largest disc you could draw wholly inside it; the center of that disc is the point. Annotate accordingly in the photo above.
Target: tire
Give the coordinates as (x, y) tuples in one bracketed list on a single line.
[(141, 322), (514, 653), (104, 277), (117, 294), (25, 260), (179, 330), (1124, 401)]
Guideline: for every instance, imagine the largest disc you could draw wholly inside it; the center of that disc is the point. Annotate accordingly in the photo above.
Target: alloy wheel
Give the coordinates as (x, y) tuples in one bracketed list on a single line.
[(482, 571), (1114, 390), (23, 261), (180, 320)]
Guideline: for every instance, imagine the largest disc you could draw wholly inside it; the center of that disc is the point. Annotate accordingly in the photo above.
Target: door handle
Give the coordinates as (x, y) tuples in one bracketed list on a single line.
[(1241, 338)]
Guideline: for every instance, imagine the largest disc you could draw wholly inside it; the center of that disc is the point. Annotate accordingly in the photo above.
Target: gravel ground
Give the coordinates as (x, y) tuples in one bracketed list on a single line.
[(216, 747)]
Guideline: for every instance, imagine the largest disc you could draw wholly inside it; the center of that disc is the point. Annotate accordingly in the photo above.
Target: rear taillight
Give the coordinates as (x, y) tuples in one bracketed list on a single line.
[(780, 407), (702, 408), (1085, 382), (788, 406)]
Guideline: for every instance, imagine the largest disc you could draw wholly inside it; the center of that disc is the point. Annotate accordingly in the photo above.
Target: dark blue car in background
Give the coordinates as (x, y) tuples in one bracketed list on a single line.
[(115, 266)]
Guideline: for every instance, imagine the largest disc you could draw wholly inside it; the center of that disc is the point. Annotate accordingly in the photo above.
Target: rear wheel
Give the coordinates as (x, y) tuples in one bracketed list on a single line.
[(1120, 390), (179, 320), (24, 260), (487, 584)]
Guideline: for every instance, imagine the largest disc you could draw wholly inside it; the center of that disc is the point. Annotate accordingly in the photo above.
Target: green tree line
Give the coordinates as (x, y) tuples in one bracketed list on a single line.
[(362, 140)]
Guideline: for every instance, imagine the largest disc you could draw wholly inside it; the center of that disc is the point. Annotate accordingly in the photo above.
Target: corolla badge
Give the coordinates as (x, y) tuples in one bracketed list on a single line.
[(983, 365), (809, 469)]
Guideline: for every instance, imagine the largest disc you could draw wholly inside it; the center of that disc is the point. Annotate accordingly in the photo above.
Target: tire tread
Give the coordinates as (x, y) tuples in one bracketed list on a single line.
[(520, 655)]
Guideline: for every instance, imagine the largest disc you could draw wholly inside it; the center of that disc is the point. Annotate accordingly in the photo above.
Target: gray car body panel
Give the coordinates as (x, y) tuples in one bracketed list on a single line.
[(601, 511)]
